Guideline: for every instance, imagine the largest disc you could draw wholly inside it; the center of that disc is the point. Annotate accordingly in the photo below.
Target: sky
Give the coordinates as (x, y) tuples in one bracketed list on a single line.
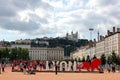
[(30, 19)]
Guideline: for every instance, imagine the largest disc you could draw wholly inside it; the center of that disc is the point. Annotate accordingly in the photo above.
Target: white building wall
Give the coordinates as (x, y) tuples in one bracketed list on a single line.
[(80, 53), (46, 53), (108, 45), (111, 44), (100, 48), (38, 53), (90, 52), (21, 46)]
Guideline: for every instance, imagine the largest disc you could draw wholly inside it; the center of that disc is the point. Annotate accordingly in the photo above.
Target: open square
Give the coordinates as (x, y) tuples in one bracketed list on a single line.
[(8, 75)]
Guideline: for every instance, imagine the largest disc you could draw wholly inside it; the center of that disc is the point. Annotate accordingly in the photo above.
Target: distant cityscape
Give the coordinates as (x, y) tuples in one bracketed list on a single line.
[(68, 47)]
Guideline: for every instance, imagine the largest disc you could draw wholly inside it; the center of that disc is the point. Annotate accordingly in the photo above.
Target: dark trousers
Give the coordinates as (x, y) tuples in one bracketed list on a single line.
[(2, 69), (63, 69), (56, 70)]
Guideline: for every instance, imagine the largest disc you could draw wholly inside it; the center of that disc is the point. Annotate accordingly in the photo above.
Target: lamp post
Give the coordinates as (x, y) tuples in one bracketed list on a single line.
[(90, 29)]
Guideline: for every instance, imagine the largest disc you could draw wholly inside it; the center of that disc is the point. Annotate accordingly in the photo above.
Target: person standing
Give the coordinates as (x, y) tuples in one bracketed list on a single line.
[(24, 68), (63, 67), (3, 66), (113, 68), (56, 67)]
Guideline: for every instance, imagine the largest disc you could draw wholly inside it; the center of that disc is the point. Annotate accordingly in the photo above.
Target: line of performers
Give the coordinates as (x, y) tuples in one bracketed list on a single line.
[(20, 65)]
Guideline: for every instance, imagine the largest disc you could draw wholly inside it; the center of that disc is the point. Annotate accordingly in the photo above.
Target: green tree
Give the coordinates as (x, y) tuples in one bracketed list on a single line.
[(118, 60), (109, 60), (25, 54), (103, 59), (114, 57), (83, 59), (13, 54), (4, 53), (19, 54)]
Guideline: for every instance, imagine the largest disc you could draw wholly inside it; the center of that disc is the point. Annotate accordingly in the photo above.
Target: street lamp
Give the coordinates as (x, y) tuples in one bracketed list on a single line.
[(90, 29)]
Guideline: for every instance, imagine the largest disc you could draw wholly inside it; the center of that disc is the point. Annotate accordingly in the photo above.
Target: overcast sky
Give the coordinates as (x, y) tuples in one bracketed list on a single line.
[(29, 19)]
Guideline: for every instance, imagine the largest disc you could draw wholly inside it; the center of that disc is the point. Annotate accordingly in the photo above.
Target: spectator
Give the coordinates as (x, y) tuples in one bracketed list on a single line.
[(113, 68), (3, 66), (56, 67), (24, 68)]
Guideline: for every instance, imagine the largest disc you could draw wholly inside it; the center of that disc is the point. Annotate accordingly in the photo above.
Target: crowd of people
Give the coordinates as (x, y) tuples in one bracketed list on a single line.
[(18, 65), (113, 68), (27, 66), (30, 67)]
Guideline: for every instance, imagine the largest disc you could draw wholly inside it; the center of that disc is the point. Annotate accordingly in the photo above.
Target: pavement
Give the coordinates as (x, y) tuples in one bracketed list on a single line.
[(8, 75)]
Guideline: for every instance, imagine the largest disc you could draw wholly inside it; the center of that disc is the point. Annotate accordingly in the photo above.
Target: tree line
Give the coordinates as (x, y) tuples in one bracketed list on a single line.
[(111, 59), (14, 54)]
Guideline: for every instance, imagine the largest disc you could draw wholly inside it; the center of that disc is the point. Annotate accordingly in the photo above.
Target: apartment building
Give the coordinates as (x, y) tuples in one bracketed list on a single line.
[(111, 42), (106, 45), (21, 46), (46, 53), (26, 41), (80, 53)]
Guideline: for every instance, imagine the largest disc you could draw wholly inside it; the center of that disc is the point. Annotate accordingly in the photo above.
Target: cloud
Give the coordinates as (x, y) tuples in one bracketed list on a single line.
[(57, 17), (22, 16), (86, 16), (103, 3)]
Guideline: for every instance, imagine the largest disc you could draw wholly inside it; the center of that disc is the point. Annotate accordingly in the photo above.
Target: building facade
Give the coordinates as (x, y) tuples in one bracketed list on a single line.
[(21, 46), (38, 53), (100, 48), (109, 43), (46, 53), (80, 53), (91, 51), (106, 45), (25, 41)]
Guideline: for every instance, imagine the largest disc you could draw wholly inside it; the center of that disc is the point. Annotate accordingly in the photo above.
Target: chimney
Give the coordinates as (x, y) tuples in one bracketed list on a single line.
[(108, 32), (113, 30), (95, 40), (103, 37), (118, 29), (100, 37)]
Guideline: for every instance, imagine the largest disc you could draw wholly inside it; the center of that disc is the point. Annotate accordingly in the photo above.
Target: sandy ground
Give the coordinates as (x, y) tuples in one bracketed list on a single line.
[(8, 75)]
